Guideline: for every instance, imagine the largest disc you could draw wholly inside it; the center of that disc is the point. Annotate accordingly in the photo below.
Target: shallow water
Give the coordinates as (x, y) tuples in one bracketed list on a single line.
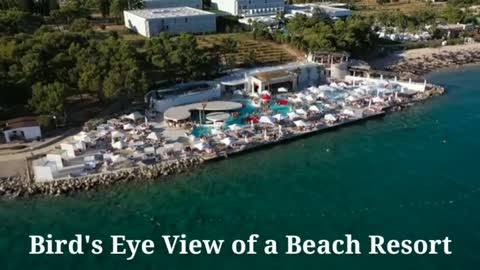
[(411, 174)]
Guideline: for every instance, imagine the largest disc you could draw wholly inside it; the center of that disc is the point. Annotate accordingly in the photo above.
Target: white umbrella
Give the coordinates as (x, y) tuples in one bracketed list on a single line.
[(154, 136), (348, 112), (117, 134), (118, 145), (330, 117), (234, 127), (282, 90), (133, 116), (278, 117), (301, 112), (201, 146), (255, 95), (377, 100), (128, 127), (314, 108), (266, 120), (300, 123), (292, 115), (227, 141), (265, 92)]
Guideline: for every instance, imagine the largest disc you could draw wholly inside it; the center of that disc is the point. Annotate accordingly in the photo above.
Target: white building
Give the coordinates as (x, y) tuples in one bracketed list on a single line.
[(248, 8), (23, 128), (310, 9), (151, 22), (172, 3)]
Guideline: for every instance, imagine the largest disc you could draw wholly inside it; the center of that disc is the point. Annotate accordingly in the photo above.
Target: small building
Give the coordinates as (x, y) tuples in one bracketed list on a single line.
[(152, 22), (332, 11), (150, 4), (249, 8), (23, 128), (292, 77)]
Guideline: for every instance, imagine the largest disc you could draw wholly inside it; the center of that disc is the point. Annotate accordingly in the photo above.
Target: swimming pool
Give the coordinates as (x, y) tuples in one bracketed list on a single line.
[(202, 131)]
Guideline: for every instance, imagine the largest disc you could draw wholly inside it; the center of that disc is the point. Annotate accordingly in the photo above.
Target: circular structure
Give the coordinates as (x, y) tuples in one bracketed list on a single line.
[(217, 116), (180, 113)]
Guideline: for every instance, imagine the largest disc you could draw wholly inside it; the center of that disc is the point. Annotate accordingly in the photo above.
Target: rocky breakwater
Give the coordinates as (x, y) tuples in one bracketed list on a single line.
[(13, 187)]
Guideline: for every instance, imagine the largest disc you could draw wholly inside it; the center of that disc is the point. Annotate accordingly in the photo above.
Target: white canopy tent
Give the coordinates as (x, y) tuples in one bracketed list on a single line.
[(278, 117), (154, 136), (313, 108), (301, 112), (330, 117), (292, 115), (134, 116), (128, 127), (300, 123), (227, 141), (266, 120), (117, 134)]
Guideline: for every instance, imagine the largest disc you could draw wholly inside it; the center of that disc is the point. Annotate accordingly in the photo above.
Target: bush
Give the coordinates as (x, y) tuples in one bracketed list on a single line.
[(46, 122)]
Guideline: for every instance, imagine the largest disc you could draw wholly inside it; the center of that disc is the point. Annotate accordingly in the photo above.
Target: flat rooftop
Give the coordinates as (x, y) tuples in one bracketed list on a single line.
[(160, 13), (178, 113)]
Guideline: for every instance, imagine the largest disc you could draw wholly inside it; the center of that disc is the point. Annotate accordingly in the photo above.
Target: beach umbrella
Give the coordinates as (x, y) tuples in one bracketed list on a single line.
[(266, 97), (301, 112), (282, 90), (255, 95), (128, 127), (300, 123), (200, 146), (278, 117), (377, 100), (266, 120), (292, 115), (154, 136), (118, 145), (313, 108), (117, 134), (234, 127), (348, 112), (227, 141), (330, 117), (133, 116)]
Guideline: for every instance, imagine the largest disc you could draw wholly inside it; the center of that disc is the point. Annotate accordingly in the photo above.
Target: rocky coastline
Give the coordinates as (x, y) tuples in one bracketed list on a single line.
[(17, 186)]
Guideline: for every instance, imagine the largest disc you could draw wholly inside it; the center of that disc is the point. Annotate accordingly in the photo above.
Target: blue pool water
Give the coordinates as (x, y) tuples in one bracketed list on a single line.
[(244, 112)]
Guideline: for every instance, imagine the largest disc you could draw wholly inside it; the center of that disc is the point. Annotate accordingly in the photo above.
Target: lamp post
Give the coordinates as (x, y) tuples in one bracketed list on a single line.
[(204, 105)]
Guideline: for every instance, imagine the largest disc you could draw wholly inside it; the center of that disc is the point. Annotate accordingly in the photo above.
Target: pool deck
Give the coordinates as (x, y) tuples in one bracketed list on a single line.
[(291, 137)]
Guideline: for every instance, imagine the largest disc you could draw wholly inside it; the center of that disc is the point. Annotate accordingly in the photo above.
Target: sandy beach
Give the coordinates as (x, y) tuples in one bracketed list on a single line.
[(418, 62)]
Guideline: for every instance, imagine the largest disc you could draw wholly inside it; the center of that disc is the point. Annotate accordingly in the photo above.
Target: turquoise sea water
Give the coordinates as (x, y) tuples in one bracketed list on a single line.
[(413, 174)]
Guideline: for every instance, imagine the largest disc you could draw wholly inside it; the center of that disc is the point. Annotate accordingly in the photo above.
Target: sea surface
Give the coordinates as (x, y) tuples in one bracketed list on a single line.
[(410, 175)]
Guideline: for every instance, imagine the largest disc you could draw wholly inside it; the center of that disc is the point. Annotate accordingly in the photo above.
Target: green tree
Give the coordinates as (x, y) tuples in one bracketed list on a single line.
[(49, 98), (227, 48), (80, 25)]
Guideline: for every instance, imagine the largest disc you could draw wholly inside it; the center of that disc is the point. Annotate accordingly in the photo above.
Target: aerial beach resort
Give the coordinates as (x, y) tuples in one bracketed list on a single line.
[(205, 121)]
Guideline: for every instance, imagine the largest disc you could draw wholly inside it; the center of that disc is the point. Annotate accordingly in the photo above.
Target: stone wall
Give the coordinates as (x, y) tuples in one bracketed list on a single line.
[(13, 187)]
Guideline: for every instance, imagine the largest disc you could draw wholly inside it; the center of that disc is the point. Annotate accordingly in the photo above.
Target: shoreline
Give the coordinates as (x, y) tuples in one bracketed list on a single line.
[(13, 187), (424, 61)]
